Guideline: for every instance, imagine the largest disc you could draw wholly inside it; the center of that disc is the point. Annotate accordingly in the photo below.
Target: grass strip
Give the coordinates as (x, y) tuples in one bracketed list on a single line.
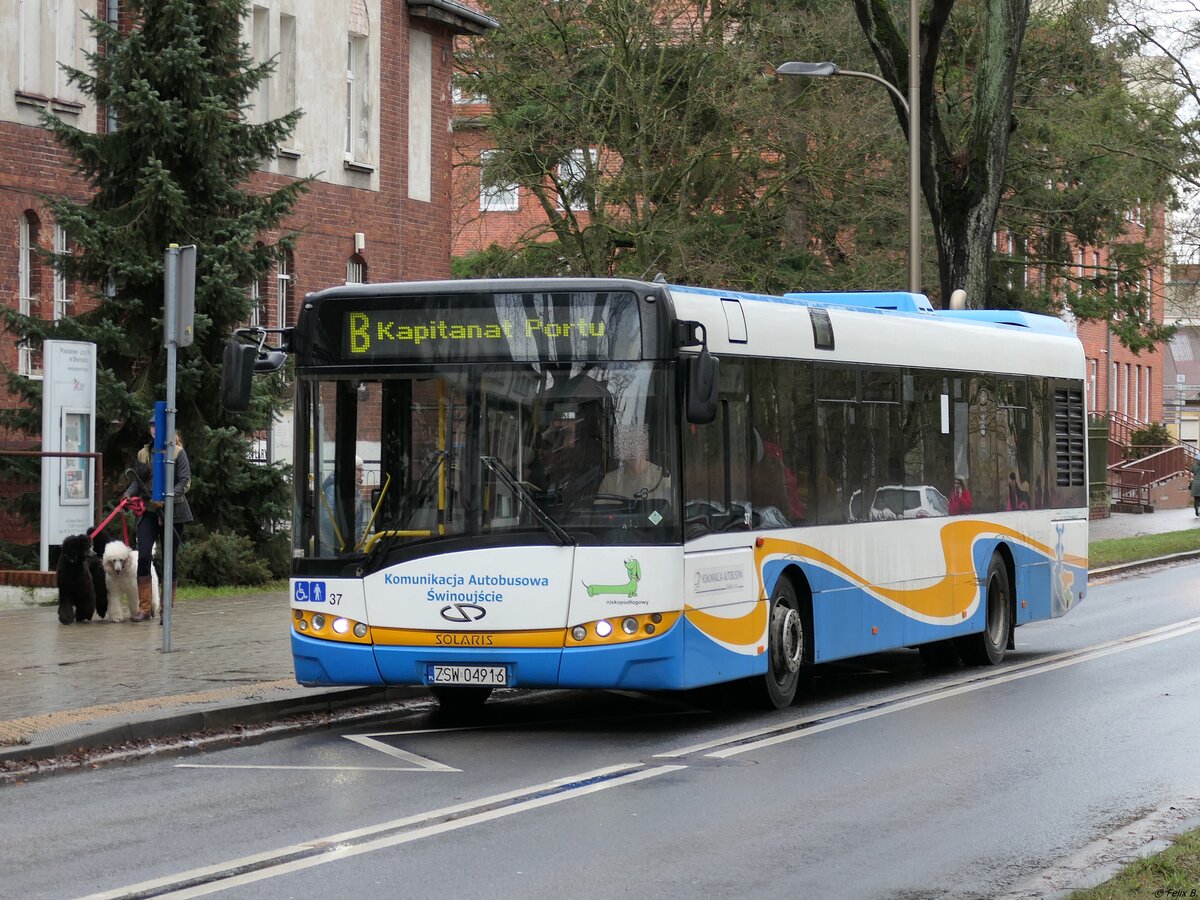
[(1144, 546), (1173, 873)]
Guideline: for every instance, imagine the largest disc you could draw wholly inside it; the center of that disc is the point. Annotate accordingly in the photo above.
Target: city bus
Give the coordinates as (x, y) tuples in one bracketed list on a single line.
[(610, 483)]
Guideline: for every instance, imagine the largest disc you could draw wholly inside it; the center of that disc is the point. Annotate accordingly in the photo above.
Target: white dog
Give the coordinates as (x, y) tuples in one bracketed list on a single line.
[(120, 575)]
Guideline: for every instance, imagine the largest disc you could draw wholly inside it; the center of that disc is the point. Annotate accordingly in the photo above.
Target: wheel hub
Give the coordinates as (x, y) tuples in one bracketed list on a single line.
[(787, 640)]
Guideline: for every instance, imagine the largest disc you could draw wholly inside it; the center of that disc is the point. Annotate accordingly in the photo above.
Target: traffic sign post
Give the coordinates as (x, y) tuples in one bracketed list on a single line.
[(179, 303)]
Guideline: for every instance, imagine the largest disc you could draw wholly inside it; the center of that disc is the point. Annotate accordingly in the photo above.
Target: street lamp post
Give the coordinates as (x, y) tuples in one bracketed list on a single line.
[(912, 110)]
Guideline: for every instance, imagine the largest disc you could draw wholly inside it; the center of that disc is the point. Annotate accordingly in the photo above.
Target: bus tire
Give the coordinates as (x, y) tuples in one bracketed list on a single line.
[(786, 648), (987, 647), (460, 699)]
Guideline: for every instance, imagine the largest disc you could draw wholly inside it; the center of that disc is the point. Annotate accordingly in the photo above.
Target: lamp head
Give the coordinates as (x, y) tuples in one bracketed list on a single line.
[(814, 70)]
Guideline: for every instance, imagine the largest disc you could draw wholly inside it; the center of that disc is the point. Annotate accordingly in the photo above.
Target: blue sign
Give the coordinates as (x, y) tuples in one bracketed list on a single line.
[(309, 592)]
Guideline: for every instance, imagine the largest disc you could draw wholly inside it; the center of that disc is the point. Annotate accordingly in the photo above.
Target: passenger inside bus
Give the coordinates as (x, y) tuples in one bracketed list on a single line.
[(338, 537), (774, 488)]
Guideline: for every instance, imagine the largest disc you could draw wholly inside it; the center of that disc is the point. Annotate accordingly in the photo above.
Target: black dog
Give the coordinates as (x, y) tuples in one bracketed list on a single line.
[(76, 591), (95, 564)]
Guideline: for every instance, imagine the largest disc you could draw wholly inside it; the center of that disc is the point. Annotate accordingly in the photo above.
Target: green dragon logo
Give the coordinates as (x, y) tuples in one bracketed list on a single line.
[(633, 568)]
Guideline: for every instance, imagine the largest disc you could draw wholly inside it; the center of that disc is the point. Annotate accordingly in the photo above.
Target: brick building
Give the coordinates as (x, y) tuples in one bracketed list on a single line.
[(1121, 383), (373, 79)]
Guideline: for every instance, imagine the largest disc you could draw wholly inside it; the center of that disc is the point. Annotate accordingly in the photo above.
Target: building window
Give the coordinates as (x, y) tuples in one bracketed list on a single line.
[(1146, 393), (1137, 374), (462, 90), (62, 287), (65, 31), (1092, 371), (287, 65), (356, 270), (357, 113), (260, 43), (495, 197), (283, 288), (573, 176), (27, 262), (27, 286), (29, 51)]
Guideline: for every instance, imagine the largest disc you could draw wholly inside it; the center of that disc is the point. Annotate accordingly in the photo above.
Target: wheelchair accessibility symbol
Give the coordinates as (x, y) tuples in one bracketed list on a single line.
[(309, 592)]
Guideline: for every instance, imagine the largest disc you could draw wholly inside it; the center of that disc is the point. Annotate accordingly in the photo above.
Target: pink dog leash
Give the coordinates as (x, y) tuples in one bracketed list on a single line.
[(125, 528)]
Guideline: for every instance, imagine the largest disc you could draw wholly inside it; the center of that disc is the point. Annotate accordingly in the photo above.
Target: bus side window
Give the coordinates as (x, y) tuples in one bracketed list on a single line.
[(716, 460), (781, 407), (703, 476)]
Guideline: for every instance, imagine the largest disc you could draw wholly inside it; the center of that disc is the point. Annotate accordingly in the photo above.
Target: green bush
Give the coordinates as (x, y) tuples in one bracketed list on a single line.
[(1149, 440), (18, 556), (276, 551), (220, 558)]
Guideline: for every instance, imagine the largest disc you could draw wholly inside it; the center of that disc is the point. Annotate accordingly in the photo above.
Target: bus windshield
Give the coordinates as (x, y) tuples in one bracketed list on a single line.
[(579, 453)]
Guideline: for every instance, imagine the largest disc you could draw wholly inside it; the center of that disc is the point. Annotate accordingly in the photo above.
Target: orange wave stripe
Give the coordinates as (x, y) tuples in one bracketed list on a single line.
[(741, 631), (938, 600)]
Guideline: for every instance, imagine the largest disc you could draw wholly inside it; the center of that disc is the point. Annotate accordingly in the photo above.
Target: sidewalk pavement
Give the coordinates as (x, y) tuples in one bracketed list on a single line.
[(100, 684)]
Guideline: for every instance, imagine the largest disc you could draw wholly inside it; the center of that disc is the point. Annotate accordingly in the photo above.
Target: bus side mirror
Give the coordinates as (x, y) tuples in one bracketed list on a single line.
[(237, 372), (270, 361), (702, 371)]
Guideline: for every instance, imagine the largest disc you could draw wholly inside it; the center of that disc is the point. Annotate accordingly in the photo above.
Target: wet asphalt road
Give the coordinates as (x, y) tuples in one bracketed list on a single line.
[(887, 781)]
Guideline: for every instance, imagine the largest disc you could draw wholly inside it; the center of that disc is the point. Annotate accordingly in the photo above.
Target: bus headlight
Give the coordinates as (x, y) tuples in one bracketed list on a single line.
[(626, 629), (318, 621), (341, 626), (360, 630)]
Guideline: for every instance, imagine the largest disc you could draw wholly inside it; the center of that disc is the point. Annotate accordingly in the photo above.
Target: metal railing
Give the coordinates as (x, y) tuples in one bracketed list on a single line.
[(1131, 481)]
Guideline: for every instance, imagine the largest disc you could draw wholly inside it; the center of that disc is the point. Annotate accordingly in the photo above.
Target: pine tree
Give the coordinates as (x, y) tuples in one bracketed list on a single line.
[(175, 170)]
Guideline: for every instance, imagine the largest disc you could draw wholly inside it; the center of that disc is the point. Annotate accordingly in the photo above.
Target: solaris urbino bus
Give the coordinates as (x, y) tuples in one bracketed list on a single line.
[(605, 483)]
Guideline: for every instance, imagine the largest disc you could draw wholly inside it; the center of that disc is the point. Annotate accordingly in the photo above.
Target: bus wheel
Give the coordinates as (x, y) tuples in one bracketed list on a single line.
[(987, 648), (785, 647), (460, 699)]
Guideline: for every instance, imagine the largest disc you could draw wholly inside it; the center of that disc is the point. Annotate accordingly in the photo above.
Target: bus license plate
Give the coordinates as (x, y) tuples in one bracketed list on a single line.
[(490, 675)]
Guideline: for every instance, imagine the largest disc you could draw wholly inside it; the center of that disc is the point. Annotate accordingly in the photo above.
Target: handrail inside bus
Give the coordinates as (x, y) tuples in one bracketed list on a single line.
[(370, 543), (337, 532), (375, 512)]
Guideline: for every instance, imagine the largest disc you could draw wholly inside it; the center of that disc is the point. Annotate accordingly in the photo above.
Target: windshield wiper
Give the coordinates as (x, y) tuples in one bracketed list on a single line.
[(526, 499)]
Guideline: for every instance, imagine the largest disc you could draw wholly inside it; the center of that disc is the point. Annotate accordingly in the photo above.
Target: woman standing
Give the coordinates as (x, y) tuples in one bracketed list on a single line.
[(1196, 486), (150, 524)]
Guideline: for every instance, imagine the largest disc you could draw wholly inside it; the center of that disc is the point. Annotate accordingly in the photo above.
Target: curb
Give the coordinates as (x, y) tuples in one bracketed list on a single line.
[(1135, 565), (49, 745)]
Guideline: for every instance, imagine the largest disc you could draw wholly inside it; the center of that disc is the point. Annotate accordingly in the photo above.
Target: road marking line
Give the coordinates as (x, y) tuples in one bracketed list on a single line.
[(221, 876), (919, 696), (218, 877)]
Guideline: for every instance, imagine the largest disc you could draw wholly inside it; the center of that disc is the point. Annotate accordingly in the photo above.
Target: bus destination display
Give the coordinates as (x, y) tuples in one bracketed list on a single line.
[(441, 332)]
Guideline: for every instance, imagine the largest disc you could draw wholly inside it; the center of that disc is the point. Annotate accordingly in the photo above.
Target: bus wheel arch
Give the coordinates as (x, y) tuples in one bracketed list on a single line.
[(987, 647), (789, 641)]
